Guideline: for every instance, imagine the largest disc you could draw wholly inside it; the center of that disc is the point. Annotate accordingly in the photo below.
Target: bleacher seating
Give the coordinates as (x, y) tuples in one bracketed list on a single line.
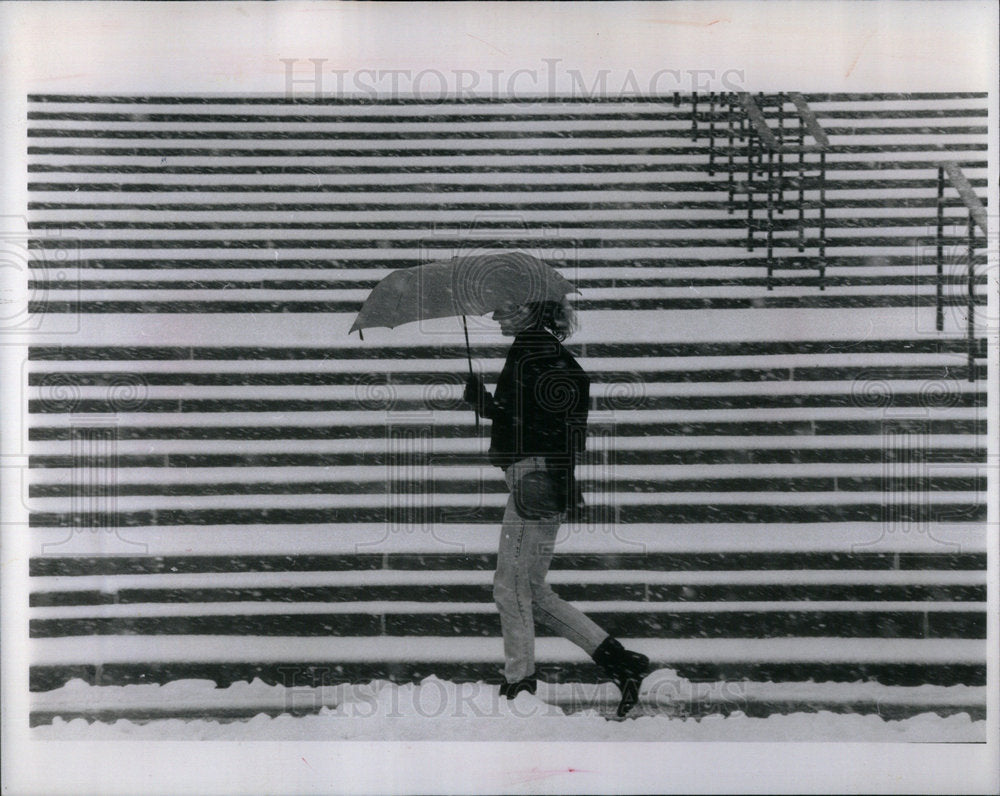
[(784, 484)]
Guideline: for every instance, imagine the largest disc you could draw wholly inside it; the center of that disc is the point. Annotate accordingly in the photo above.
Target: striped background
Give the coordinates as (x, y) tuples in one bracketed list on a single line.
[(223, 483)]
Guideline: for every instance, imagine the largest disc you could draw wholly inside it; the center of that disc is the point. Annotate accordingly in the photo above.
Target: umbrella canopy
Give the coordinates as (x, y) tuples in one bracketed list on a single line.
[(469, 285)]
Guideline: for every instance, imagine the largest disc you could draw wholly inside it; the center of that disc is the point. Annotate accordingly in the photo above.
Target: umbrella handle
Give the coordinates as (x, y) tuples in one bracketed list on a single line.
[(468, 354)]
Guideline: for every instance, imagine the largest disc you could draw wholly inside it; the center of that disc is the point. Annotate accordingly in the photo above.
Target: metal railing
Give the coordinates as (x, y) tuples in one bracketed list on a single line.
[(976, 218), (774, 144), (765, 148)]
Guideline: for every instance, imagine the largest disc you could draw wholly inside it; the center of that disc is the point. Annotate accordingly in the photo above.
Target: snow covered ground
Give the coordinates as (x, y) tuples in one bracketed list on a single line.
[(672, 709)]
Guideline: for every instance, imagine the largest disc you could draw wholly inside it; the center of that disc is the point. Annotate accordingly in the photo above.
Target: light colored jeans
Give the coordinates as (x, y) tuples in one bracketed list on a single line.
[(520, 590)]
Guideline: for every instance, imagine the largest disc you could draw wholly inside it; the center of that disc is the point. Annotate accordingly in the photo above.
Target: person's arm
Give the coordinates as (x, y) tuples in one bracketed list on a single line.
[(576, 419), (475, 393)]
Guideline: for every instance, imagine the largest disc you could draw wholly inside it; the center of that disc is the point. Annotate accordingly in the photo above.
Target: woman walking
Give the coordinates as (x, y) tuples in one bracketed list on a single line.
[(539, 417)]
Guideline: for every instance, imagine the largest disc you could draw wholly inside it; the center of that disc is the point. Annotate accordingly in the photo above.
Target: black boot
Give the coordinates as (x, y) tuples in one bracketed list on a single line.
[(511, 690), (625, 668)]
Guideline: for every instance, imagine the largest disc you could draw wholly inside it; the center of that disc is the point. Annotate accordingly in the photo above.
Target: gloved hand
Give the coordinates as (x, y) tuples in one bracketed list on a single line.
[(476, 395), (577, 509)]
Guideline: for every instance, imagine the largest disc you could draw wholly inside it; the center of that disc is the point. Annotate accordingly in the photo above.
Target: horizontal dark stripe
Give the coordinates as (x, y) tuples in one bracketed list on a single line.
[(606, 204), (362, 284), (40, 718), (406, 517), (438, 188), (874, 397), (780, 623), (869, 96), (447, 246), (365, 100), (857, 559), (445, 135), (467, 168), (195, 306), (354, 135), (390, 152), (439, 483), (661, 114), (920, 345), (905, 113), (692, 149), (696, 708), (779, 224), (929, 183), (530, 101), (635, 378), (637, 589), (849, 130), (792, 182), (368, 380), (137, 264), (455, 226), (928, 400), (331, 671), (971, 454), (546, 168)]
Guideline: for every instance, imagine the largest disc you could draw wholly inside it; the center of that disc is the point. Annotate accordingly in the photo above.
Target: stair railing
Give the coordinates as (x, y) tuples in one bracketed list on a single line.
[(976, 218), (761, 137)]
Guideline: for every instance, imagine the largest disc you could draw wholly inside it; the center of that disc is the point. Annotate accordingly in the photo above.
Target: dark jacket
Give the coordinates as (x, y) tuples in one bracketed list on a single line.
[(539, 408)]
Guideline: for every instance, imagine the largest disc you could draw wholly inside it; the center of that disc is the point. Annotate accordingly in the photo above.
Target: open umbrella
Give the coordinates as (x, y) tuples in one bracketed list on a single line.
[(469, 285)]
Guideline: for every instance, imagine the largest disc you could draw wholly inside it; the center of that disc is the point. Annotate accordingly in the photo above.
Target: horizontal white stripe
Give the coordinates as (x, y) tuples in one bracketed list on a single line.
[(355, 538), (903, 439), (628, 390), (789, 324), (223, 236), (462, 417), (202, 696), (473, 105), (859, 133), (903, 103), (236, 294), (580, 273), (375, 180), (635, 365), (786, 247), (430, 197), (112, 584), (429, 215), (287, 649), (394, 501), (371, 107), (584, 472), (626, 154), (962, 149), (402, 607), (452, 216), (394, 127), (399, 161), (471, 178)]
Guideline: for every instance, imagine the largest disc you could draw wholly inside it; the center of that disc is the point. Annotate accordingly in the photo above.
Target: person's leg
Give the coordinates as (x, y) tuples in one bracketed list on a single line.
[(626, 668), (512, 594), (539, 537), (549, 608)]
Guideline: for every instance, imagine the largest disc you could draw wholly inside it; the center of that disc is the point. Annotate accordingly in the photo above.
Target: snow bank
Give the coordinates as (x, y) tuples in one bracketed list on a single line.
[(437, 710)]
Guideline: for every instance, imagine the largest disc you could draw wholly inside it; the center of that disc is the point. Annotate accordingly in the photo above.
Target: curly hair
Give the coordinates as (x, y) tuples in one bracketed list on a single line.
[(556, 317)]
